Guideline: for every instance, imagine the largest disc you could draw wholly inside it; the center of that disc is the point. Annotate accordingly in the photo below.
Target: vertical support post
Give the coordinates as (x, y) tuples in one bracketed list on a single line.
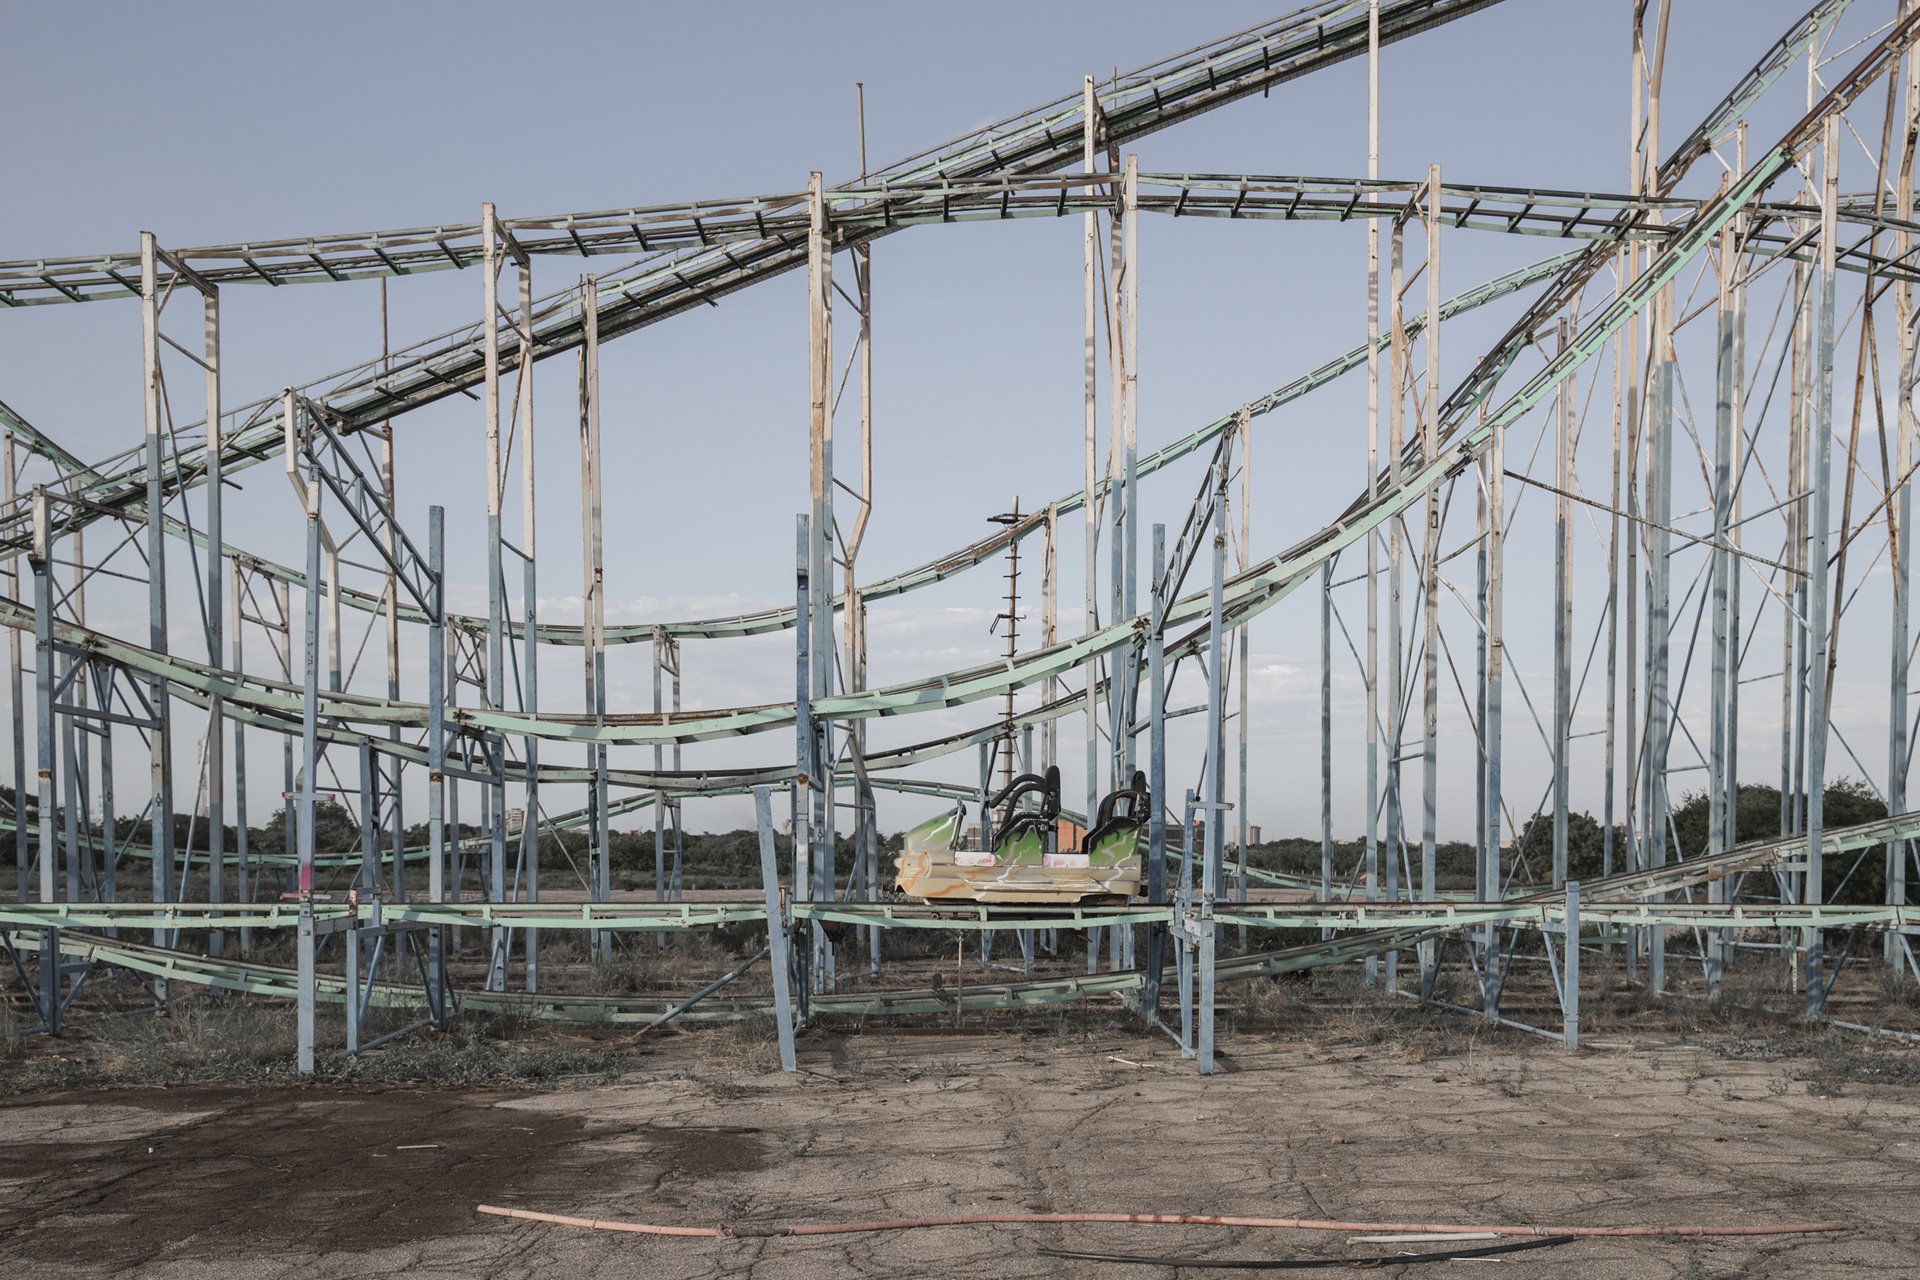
[(1156, 775), (674, 877), (866, 840), (820, 561), (530, 620), (1430, 589), (1640, 143), (495, 809), (1659, 710), (437, 757), (1216, 788), (1724, 566), (1127, 688), (1900, 537), (1050, 636), (778, 935), (594, 604), (1480, 589), (216, 619), (1326, 736), (659, 797), (1488, 886), (9, 469), (1609, 746), (1245, 668), (41, 562), (1372, 805), (310, 768), (353, 1006), (1821, 480), (804, 766), (1733, 529), (160, 753), (243, 862), (1570, 972), (1184, 915), (390, 495), (1089, 508), (1562, 610), (1396, 555)]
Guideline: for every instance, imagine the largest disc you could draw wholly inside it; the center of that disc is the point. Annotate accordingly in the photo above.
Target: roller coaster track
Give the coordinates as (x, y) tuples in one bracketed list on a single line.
[(860, 212), (1174, 88), (934, 571), (1619, 900), (1046, 138), (1037, 141), (1462, 435), (699, 253)]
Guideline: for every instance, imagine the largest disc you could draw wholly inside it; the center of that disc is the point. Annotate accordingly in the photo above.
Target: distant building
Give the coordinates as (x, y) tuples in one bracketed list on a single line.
[(1253, 833)]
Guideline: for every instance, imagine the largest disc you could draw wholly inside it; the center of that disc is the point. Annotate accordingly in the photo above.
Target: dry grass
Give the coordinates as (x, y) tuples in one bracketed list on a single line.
[(233, 1040)]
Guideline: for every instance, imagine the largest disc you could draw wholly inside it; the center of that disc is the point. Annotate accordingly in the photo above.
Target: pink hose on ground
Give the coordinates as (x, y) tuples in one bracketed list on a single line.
[(1173, 1219)]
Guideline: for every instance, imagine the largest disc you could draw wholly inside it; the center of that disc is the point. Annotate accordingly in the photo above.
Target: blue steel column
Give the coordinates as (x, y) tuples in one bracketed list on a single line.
[(1245, 665), (1326, 741), (1089, 514), (1818, 637), (1901, 550), (1372, 672), (43, 666), (17, 689), (530, 620), (593, 590), (1659, 713), (778, 937), (1430, 589), (1130, 416), (1487, 885), (804, 770), (1724, 566), (530, 824), (216, 628), (1183, 915), (1156, 775), (437, 757), (310, 763), (1562, 611), (1570, 971), (1481, 588), (160, 742), (495, 795), (819, 558), (242, 853), (659, 797), (1119, 491), (1216, 773), (1396, 552)]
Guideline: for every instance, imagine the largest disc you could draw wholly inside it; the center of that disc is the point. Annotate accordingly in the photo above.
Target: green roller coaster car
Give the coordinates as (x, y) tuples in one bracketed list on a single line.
[(1019, 869)]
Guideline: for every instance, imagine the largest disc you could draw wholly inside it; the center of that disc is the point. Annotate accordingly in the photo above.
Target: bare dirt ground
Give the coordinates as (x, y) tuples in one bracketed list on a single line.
[(1327, 1104)]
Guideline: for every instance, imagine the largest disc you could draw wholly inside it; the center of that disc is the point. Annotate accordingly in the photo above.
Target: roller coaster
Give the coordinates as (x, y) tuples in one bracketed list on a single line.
[(1647, 296)]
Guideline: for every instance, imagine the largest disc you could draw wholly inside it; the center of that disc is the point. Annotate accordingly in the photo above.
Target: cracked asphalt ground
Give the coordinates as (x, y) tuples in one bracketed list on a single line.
[(207, 1183)]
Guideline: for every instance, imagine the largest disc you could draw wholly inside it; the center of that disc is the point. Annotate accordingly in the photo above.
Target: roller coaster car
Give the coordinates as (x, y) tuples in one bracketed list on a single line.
[(1018, 869)]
